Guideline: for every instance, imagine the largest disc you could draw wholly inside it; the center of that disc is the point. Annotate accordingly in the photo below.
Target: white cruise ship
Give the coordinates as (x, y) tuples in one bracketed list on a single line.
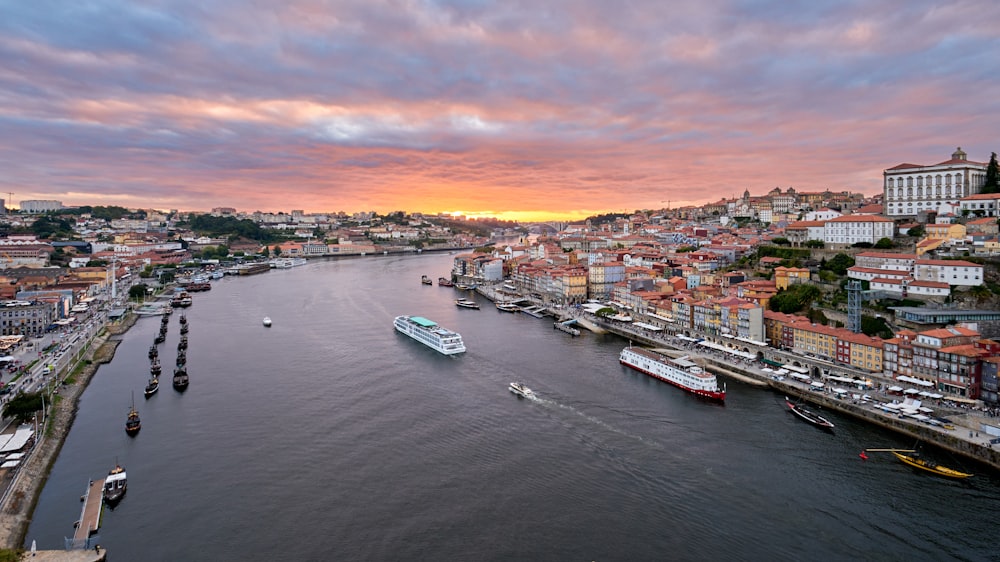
[(430, 334), (680, 372)]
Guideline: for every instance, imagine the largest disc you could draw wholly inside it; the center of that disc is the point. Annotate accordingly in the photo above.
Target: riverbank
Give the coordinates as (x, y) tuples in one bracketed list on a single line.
[(22, 495)]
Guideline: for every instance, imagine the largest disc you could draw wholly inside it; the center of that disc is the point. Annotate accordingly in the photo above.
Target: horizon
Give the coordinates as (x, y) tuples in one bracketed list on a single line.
[(528, 113)]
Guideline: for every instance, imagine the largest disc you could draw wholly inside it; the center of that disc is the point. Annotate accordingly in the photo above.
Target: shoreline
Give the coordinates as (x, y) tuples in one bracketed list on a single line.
[(19, 503)]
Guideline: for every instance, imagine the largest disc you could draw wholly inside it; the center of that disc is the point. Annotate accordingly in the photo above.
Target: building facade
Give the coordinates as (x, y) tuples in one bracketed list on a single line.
[(911, 188)]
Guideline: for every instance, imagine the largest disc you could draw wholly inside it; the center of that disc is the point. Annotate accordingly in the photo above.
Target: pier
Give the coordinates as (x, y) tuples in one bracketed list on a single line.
[(90, 515), (567, 327)]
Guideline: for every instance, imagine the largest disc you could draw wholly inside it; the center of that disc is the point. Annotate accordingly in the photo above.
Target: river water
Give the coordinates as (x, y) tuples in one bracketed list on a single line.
[(329, 435)]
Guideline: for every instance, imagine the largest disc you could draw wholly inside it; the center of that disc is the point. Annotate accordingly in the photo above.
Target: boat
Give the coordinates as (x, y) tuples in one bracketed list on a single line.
[(426, 280), (160, 338), (287, 263), (184, 319), (466, 303), (153, 310), (267, 321), (182, 300), (115, 485), (152, 387), (507, 307), (680, 372), (445, 282), (154, 368), (430, 334), (180, 378), (184, 329), (183, 343), (520, 389), (132, 422), (916, 461), (153, 352), (808, 415), (197, 287)]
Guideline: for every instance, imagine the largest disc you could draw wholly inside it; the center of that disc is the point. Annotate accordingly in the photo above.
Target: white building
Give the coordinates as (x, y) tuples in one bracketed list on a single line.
[(952, 272), (912, 188), (851, 229), (885, 260), (40, 206), (980, 205), (823, 214)]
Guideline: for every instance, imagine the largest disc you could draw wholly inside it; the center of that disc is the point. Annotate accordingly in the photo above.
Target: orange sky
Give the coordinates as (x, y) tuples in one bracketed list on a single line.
[(527, 112)]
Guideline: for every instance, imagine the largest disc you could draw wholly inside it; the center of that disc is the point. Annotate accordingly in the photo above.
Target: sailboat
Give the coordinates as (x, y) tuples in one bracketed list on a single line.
[(132, 423), (808, 415)]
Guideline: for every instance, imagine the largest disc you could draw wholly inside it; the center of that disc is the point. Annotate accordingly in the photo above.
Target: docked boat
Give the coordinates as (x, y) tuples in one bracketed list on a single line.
[(197, 287), (430, 334), (467, 303), (184, 329), (152, 387), (115, 485), (464, 286), (184, 319), (916, 461), (680, 372), (154, 368), (153, 352), (445, 282), (180, 378), (183, 343), (182, 300), (426, 280), (520, 389), (287, 263), (507, 307), (160, 338), (808, 415), (267, 321), (153, 310), (132, 422)]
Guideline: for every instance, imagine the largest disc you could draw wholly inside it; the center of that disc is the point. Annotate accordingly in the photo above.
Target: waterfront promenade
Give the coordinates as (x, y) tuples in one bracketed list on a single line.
[(965, 438)]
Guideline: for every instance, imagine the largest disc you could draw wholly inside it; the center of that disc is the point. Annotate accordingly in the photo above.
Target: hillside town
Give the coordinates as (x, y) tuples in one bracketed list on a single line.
[(900, 284)]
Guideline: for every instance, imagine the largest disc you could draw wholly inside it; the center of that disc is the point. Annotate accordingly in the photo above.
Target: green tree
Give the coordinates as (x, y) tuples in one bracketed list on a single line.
[(137, 291), (23, 406), (605, 312), (917, 231), (781, 241), (839, 264), (815, 244), (884, 243), (992, 184), (794, 299), (877, 327)]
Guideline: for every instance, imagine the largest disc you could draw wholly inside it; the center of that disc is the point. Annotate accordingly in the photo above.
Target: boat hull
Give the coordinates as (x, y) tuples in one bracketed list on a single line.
[(809, 416), (928, 466)]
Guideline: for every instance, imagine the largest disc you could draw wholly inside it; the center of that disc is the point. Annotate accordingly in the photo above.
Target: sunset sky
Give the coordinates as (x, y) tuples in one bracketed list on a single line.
[(516, 109)]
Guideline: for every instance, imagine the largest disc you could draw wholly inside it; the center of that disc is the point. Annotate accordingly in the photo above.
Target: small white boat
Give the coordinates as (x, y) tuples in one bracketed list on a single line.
[(267, 321), (467, 303), (520, 389)]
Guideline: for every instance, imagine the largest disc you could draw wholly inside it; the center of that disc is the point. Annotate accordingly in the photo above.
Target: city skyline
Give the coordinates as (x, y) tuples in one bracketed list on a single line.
[(519, 112)]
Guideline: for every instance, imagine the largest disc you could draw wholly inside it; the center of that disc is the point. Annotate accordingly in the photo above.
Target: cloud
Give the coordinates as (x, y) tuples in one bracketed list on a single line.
[(477, 105)]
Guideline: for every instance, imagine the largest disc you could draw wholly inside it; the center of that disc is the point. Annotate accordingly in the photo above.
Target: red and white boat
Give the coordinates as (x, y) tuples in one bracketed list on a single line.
[(680, 372)]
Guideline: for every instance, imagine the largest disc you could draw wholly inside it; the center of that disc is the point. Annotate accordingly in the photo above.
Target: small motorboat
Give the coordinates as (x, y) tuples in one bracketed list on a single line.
[(132, 422), (115, 485), (426, 280), (466, 303), (267, 322), (152, 387), (507, 307), (520, 389), (445, 282)]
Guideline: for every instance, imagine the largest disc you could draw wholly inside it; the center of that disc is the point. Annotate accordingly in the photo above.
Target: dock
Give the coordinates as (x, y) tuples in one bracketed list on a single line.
[(90, 515), (567, 327)]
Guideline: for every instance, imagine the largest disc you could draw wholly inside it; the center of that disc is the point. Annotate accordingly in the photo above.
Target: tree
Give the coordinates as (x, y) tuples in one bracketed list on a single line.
[(781, 241), (137, 291), (992, 184), (606, 311), (917, 231), (839, 264), (884, 243), (815, 244), (23, 406)]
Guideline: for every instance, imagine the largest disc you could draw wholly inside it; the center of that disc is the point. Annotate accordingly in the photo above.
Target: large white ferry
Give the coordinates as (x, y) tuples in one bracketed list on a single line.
[(680, 372), (430, 334)]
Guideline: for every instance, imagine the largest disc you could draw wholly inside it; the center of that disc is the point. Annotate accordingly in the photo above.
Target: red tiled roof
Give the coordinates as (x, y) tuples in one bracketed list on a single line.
[(929, 284), (956, 263), (888, 255), (860, 218), (982, 197)]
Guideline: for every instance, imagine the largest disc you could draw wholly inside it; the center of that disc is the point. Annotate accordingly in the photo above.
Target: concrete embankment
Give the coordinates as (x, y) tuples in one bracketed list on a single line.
[(19, 502)]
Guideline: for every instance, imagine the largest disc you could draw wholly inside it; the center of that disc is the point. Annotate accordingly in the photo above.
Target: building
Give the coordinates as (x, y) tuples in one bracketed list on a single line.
[(785, 276), (911, 188), (852, 229), (952, 272), (34, 206), (25, 318), (980, 205)]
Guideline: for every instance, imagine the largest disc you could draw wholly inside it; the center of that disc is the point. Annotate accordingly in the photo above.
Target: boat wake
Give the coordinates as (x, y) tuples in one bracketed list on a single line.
[(597, 421)]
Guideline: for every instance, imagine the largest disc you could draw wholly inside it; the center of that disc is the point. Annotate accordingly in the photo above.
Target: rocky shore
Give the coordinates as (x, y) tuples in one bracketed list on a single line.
[(19, 503)]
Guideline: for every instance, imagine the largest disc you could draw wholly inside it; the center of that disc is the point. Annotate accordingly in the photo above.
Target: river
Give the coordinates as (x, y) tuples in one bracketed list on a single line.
[(329, 435)]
